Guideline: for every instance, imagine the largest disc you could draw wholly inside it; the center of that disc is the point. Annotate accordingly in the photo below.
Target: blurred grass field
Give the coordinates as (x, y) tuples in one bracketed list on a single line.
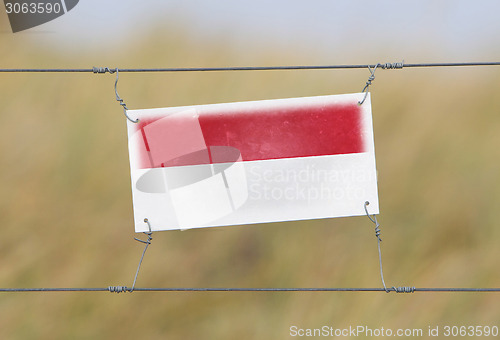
[(66, 208)]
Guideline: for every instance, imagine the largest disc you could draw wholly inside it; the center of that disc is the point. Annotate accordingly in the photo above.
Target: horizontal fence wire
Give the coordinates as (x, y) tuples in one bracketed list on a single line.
[(125, 289), (249, 68)]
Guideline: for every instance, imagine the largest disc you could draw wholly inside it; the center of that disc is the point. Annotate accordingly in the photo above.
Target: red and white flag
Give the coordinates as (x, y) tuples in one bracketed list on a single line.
[(252, 162)]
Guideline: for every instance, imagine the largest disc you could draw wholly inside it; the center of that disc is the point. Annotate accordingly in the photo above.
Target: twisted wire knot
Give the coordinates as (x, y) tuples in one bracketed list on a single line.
[(374, 220), (391, 66), (103, 70), (378, 231), (147, 233), (377, 234), (402, 289), (385, 66), (118, 289), (369, 81)]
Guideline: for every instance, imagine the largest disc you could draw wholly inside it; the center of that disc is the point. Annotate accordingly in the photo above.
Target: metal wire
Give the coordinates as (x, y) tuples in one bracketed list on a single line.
[(118, 98), (173, 289), (147, 242), (377, 234), (120, 289), (252, 68), (365, 90), (123, 289)]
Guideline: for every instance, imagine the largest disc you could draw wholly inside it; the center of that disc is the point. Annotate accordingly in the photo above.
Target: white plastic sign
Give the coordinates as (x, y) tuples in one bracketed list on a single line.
[(252, 162)]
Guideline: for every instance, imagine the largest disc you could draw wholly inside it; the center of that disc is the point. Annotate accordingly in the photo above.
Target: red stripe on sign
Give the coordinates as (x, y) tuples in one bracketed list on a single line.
[(291, 132), (258, 134)]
